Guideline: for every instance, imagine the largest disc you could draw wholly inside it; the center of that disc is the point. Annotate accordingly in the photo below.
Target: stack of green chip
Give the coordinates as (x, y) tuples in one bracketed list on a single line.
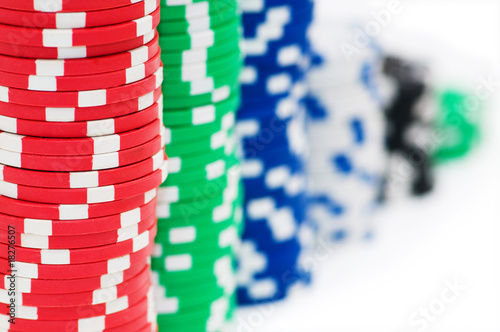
[(457, 124), (199, 206)]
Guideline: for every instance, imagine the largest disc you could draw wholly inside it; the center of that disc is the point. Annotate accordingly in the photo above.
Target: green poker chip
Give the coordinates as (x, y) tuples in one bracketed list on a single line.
[(202, 145), (218, 67), (458, 125), (207, 189), (191, 298), (197, 206), (201, 115), (192, 302), (218, 95), (205, 251), (199, 318), (183, 134), (206, 172), (188, 267), (199, 232), (191, 163), (202, 86), (196, 8), (221, 214), (200, 55), (199, 23), (199, 235), (205, 274), (200, 39)]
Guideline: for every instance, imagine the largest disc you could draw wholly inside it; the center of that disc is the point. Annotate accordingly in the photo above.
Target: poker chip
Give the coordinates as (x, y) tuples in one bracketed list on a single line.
[(78, 114), (84, 146), (84, 255), (346, 127), (463, 135), (85, 195), (77, 241), (93, 297), (71, 20), (199, 205), (82, 155), (80, 129), (80, 66), (89, 82), (39, 286), (272, 128), (407, 119), (63, 5), (35, 52), (110, 322), (37, 210), (87, 98), (75, 163), (82, 37), (70, 312), (115, 222), (76, 271)]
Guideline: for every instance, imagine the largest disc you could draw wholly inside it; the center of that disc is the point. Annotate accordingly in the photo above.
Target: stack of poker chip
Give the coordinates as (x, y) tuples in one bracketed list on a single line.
[(346, 129), (81, 159), (271, 126), (409, 116), (199, 207)]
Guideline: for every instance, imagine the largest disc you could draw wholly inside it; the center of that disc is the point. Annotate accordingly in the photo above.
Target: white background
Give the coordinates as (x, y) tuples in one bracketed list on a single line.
[(452, 234)]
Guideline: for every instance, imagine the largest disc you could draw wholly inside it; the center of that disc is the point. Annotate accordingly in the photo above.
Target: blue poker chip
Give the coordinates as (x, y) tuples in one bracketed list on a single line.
[(276, 83), (286, 15), (271, 107), (282, 54), (271, 124), (277, 275), (267, 140), (274, 221)]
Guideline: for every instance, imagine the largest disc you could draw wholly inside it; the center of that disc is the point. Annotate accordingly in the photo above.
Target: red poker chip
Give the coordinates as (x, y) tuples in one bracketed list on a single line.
[(51, 114), (39, 286), (92, 179), (93, 128), (79, 37), (81, 163), (82, 83), (81, 256), (80, 227), (86, 195), (104, 323), (82, 146), (72, 211), (81, 67), (34, 52), (75, 271), (80, 241), (73, 20), (88, 98), (92, 297), (81, 159), (64, 6), (83, 311)]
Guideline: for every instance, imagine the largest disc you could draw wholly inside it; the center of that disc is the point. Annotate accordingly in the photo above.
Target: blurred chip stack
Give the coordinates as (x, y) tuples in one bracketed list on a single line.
[(81, 159), (199, 208), (346, 126), (271, 126), (409, 118), (459, 120)]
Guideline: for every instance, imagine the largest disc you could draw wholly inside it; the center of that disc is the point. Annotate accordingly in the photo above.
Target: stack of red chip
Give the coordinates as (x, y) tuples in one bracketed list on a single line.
[(81, 158)]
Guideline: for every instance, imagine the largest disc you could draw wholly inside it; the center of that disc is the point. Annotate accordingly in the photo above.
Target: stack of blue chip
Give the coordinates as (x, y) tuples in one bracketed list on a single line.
[(346, 129), (272, 128)]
